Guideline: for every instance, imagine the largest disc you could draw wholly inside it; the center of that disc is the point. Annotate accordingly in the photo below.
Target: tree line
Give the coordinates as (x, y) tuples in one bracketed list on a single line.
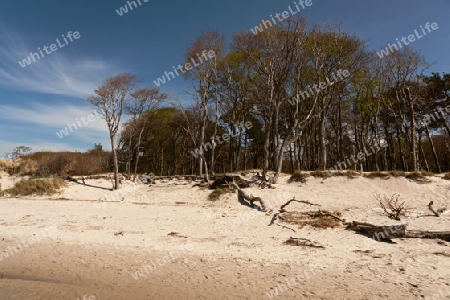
[(315, 96)]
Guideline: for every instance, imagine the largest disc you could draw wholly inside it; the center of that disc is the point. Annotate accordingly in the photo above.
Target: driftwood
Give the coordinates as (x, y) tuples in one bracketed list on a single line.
[(264, 184), (430, 207), (302, 242), (282, 210), (224, 181), (322, 213), (392, 206), (399, 231), (250, 198)]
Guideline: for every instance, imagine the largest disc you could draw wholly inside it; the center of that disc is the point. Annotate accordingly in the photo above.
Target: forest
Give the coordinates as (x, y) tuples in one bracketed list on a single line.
[(286, 99), (264, 79)]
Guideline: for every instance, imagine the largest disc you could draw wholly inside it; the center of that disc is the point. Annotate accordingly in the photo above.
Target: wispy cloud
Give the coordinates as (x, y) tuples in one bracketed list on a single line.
[(47, 120), (55, 73), (53, 116)]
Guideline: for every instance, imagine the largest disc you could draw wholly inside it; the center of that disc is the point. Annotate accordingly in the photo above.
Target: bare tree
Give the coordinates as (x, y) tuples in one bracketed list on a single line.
[(20, 151), (204, 80), (110, 99), (143, 101)]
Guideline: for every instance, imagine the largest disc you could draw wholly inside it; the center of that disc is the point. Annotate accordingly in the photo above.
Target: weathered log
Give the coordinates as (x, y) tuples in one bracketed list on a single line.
[(443, 235), (302, 242), (397, 231), (378, 232), (248, 198)]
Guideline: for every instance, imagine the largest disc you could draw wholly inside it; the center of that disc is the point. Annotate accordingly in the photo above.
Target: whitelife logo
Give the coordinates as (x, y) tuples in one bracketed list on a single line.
[(281, 17), (27, 61), (411, 38), (124, 9), (91, 118), (340, 75), (188, 66)]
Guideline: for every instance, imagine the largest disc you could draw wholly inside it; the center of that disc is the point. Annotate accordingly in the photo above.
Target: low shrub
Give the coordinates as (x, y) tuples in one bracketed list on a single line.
[(428, 174), (352, 174), (446, 176), (419, 177), (28, 167), (398, 173), (392, 206), (298, 177), (320, 174), (27, 187), (378, 174)]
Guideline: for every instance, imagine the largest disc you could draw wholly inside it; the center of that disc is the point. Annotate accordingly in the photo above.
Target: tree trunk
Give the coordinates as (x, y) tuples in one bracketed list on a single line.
[(137, 153), (322, 150), (402, 156), (423, 153), (413, 135), (445, 122), (116, 163), (433, 149), (130, 154)]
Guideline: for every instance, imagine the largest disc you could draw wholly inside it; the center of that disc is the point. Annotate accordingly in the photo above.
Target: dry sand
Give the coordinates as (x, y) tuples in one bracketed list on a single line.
[(187, 247)]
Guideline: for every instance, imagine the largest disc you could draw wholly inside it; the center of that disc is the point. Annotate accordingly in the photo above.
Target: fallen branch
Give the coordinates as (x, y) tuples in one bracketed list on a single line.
[(321, 213), (378, 232), (302, 242), (399, 231), (250, 198), (430, 207), (293, 200)]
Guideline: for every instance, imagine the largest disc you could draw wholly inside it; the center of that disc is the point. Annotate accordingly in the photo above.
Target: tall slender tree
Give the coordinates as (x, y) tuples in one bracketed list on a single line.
[(110, 99)]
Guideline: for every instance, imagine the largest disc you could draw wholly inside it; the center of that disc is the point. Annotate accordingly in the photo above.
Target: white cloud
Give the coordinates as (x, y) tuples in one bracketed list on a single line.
[(53, 116), (54, 73), (47, 120)]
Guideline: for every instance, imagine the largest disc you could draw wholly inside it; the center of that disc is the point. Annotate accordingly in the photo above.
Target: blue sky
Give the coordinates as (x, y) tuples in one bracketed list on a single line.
[(39, 100)]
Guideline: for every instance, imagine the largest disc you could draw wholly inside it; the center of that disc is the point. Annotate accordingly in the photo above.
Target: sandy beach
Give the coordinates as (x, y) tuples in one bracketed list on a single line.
[(167, 241)]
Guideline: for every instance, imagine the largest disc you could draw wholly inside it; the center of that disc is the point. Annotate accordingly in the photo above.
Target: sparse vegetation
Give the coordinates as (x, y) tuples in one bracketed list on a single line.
[(352, 174), (298, 176), (215, 195), (320, 173), (36, 186), (419, 177), (392, 206), (317, 219), (382, 175), (398, 173)]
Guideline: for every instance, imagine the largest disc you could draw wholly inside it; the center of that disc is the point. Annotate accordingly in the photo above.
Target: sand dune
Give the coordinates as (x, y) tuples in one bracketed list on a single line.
[(186, 247)]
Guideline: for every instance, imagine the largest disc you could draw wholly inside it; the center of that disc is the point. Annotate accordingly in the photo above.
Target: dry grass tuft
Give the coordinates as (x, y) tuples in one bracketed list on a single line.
[(352, 174), (428, 174), (299, 177), (320, 174), (317, 219), (446, 176), (36, 186), (419, 177), (398, 173), (215, 195), (377, 174)]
